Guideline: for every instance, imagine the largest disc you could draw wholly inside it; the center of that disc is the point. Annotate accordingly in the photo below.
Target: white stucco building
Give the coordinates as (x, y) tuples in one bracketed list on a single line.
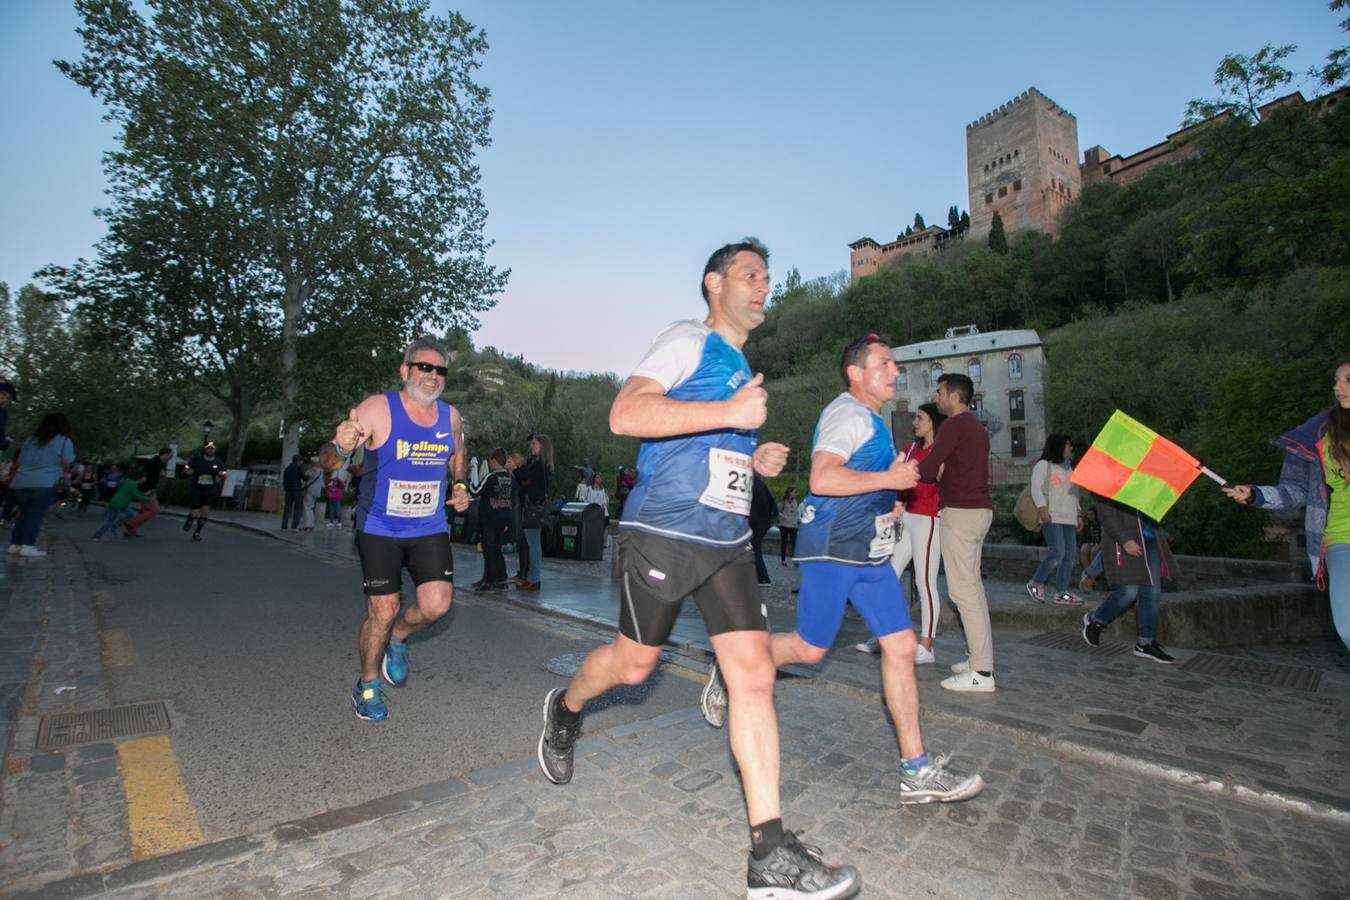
[(1009, 372)]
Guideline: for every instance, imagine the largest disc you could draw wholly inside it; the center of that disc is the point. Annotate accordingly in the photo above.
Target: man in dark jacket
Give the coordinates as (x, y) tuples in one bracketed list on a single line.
[(1137, 559), (496, 499), (293, 483)]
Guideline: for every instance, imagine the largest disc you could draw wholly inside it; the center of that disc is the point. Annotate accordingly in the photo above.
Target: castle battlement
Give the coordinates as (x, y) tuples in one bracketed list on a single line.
[(1006, 108)]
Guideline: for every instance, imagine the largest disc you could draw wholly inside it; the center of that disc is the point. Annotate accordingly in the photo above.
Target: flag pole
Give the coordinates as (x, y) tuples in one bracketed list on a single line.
[(1206, 470)]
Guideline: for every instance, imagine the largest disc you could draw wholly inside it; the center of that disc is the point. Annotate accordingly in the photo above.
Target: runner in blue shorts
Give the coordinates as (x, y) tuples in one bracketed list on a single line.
[(845, 535)]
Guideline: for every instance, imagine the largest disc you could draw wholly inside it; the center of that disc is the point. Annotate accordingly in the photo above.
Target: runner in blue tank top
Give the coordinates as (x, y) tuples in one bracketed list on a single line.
[(845, 535), (685, 531), (413, 442)]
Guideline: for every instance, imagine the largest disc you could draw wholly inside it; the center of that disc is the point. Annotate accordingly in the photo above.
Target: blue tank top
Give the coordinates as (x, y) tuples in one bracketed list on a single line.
[(694, 487), (403, 486), (857, 530)]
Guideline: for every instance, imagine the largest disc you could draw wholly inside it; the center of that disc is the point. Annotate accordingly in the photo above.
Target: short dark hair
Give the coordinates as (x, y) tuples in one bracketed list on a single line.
[(721, 259), (856, 351), (295, 458), (1053, 451), (9, 388), (163, 450), (498, 455), (960, 385)]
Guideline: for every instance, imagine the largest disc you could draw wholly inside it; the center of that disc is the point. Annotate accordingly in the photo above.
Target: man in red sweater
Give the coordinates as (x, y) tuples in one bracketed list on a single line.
[(961, 452)]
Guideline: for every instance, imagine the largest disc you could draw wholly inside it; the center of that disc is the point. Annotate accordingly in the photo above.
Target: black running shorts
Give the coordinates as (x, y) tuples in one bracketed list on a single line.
[(197, 499), (427, 558), (657, 573)]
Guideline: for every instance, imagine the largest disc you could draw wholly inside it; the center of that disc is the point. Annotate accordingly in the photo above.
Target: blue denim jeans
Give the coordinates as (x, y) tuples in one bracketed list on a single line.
[(1144, 597), (532, 535), (112, 518), (33, 506), (1338, 587), (1061, 551)]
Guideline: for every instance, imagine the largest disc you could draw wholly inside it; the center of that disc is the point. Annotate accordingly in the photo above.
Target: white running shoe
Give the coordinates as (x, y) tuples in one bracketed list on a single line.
[(961, 667), (30, 551), (923, 656), (970, 683)]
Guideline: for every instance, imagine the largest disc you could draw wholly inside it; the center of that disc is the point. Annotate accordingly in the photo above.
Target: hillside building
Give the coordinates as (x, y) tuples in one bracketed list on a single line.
[(1009, 372)]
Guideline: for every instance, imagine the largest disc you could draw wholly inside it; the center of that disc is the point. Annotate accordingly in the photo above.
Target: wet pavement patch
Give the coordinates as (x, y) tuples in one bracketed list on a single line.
[(57, 732)]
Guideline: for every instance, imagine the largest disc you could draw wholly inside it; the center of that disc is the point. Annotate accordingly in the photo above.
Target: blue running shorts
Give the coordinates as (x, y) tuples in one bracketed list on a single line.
[(874, 592)]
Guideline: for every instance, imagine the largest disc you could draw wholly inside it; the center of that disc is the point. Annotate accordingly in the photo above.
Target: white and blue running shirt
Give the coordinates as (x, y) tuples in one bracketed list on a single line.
[(857, 530), (694, 487)]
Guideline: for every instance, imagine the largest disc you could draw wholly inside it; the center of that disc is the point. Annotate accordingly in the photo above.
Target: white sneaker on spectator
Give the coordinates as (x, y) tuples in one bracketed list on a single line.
[(970, 683), (30, 551), (962, 666), (923, 656)]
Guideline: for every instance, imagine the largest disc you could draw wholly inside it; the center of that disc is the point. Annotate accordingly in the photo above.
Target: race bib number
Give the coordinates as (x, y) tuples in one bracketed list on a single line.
[(730, 480), (884, 535), (207, 480), (412, 499)]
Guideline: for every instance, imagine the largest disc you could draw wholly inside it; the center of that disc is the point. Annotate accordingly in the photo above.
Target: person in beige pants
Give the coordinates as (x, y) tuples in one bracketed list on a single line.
[(959, 464)]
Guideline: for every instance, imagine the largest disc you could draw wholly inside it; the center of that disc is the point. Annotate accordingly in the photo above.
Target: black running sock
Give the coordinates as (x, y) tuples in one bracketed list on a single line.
[(984, 674), (565, 715), (201, 523), (764, 837)]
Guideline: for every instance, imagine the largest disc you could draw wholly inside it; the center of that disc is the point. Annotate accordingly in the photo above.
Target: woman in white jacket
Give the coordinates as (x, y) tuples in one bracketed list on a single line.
[(1056, 500)]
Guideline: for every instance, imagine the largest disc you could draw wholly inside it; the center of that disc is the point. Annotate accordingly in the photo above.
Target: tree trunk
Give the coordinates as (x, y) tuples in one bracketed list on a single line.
[(297, 291), (241, 409)]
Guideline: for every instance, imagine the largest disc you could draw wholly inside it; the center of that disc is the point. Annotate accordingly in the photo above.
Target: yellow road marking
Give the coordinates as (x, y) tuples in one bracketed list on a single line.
[(159, 814), (117, 648)]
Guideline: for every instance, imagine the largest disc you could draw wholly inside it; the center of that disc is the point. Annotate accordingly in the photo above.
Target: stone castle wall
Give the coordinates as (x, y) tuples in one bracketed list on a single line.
[(1022, 162)]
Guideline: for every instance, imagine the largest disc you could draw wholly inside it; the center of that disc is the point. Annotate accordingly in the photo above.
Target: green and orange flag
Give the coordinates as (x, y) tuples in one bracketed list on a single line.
[(1134, 465)]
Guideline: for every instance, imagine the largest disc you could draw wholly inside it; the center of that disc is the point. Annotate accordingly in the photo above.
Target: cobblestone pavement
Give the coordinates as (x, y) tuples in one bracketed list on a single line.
[(60, 811), (655, 811)]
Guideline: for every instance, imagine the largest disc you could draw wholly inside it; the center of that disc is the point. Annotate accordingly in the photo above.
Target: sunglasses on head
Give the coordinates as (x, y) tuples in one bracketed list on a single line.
[(428, 368)]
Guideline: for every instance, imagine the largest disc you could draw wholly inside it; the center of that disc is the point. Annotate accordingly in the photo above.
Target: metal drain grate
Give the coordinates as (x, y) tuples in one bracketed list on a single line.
[(1254, 671), (68, 729), (1073, 641)]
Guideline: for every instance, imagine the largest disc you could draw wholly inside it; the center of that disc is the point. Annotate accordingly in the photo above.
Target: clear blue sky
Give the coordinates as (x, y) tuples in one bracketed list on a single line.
[(631, 139)]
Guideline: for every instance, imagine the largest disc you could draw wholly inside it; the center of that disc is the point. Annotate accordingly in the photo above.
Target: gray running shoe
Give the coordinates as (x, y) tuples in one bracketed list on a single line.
[(714, 697), (557, 743), (795, 871), (934, 784)]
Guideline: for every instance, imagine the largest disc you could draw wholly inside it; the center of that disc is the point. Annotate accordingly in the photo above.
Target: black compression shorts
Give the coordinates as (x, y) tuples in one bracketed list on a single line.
[(657, 573), (427, 558)]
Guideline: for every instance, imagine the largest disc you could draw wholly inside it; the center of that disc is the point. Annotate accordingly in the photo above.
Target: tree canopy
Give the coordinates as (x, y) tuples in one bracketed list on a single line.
[(294, 193)]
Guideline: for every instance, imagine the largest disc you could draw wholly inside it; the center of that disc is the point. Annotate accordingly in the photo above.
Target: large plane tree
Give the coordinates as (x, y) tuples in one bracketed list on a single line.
[(294, 192)]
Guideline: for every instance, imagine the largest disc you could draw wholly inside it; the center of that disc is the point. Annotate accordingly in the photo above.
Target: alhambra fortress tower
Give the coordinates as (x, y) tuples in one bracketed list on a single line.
[(1022, 162)]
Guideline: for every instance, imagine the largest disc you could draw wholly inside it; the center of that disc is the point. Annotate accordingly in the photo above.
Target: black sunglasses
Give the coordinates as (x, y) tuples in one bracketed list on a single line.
[(428, 368)]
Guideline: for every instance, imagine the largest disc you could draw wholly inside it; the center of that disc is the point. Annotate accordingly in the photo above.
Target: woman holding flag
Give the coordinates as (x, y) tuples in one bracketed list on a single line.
[(1314, 476)]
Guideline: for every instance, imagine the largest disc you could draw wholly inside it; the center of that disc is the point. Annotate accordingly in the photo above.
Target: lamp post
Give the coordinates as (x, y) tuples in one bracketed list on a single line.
[(206, 431)]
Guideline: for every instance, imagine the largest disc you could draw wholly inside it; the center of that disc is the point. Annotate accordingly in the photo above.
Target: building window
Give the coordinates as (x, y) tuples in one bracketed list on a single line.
[(935, 372), (901, 379), (1017, 185), (1016, 152), (1003, 191), (988, 198), (1016, 409), (973, 369), (1015, 365), (977, 406), (1019, 441)]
